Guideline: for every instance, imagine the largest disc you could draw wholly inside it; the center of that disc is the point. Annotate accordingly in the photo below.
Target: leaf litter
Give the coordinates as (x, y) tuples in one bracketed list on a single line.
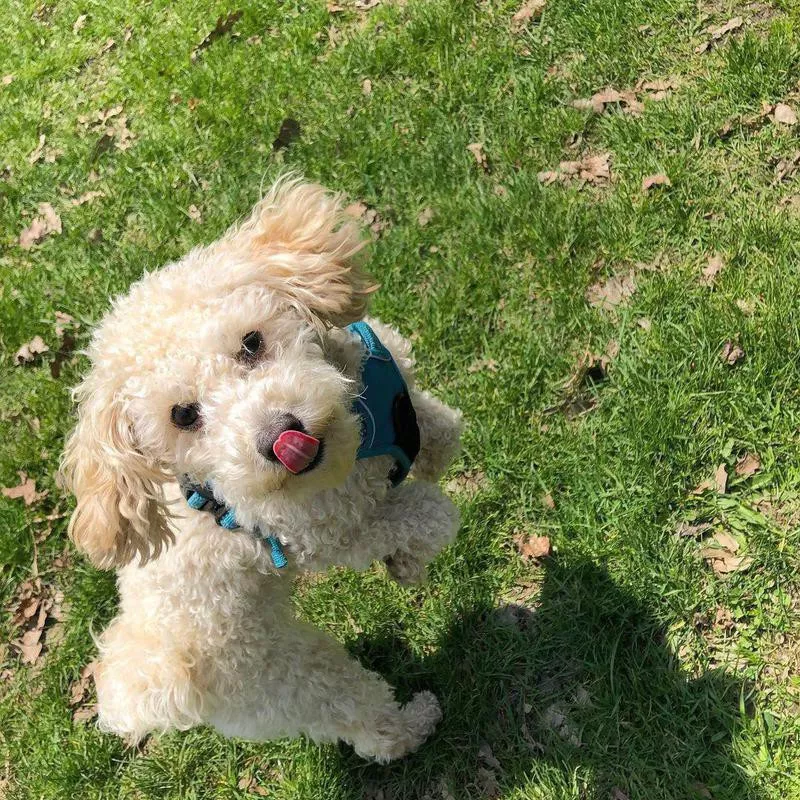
[(592, 169), (33, 604), (46, 223), (30, 350), (223, 25), (25, 490), (717, 33)]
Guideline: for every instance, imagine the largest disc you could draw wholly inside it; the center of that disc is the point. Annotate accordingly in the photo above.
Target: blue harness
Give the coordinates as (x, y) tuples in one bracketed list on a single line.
[(388, 427)]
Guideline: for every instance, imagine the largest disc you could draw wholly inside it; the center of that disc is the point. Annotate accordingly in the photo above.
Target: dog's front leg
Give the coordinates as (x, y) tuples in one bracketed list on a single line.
[(323, 693), (407, 529)]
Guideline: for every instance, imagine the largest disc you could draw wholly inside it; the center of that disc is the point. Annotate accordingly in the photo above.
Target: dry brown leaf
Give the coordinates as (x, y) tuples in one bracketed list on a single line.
[(28, 352), (722, 559), (718, 33), (79, 23), (87, 197), (425, 216), (731, 353), (222, 26), (644, 323), (38, 151), (530, 11), (608, 96), (612, 292), (594, 169), (468, 483), (746, 306), (748, 465), (532, 547), (195, 215), (486, 755), (655, 180), (685, 530), (487, 783), (26, 490), (714, 266), (356, 210), (548, 502), (476, 148), (618, 794), (7, 80), (726, 541), (721, 479), (483, 364), (46, 223), (784, 114), (366, 87), (79, 688)]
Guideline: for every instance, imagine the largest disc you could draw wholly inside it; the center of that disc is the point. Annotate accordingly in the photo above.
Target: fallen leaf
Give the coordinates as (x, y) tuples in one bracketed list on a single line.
[(718, 33), (533, 547), (79, 23), (476, 148), (711, 270), (746, 306), (468, 483), (722, 559), (26, 490), (594, 169), (366, 87), (618, 794), (644, 323), (786, 167), (548, 502), (7, 80), (253, 40), (748, 465), (726, 541), (655, 180), (486, 755), (425, 216), (194, 213), (28, 352), (84, 713), (685, 530), (612, 292), (731, 353), (87, 197), (481, 364), (289, 132), (80, 688), (37, 152), (784, 114), (701, 790), (222, 26), (109, 44), (721, 479), (599, 101), (530, 11)]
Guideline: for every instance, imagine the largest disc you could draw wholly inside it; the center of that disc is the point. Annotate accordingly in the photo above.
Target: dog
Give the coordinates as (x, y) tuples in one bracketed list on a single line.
[(217, 455)]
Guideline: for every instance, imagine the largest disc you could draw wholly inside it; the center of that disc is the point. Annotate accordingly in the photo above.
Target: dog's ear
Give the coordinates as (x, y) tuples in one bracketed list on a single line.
[(300, 244), (120, 512)]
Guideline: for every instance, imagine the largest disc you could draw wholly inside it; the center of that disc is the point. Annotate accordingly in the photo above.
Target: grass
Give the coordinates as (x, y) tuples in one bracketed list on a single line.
[(620, 666)]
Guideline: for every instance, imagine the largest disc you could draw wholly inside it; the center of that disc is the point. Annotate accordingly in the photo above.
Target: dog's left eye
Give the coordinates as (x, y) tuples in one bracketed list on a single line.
[(252, 343), (186, 417)]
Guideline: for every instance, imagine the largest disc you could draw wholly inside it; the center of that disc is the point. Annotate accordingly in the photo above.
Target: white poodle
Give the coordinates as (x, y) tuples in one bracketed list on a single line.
[(234, 431)]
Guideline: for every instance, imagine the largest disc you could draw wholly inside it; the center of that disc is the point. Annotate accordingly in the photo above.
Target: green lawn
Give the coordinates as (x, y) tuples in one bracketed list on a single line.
[(622, 666)]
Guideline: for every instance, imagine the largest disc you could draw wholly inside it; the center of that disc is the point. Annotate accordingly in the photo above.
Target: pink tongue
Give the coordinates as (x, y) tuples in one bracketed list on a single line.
[(295, 450)]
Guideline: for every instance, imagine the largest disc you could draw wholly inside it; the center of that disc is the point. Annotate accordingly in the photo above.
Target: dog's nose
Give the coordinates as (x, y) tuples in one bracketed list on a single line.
[(265, 442)]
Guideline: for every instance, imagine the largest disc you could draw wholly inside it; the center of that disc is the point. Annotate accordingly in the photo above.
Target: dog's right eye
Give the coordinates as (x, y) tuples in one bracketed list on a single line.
[(252, 344), (185, 417)]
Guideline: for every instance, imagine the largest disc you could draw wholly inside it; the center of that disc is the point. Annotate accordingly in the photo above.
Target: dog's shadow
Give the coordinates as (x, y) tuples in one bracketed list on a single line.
[(575, 692)]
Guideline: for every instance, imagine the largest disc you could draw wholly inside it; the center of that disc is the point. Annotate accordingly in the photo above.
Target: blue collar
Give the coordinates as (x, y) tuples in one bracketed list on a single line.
[(388, 427)]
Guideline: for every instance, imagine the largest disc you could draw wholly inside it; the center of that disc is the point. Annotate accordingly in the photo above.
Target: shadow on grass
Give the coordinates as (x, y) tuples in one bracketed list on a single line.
[(578, 695)]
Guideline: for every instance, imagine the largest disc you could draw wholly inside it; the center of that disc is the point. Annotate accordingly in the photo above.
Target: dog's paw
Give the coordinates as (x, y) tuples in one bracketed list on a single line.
[(405, 568), (418, 720)]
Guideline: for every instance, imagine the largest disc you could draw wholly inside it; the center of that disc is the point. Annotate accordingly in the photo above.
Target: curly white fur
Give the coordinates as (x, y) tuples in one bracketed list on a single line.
[(206, 632)]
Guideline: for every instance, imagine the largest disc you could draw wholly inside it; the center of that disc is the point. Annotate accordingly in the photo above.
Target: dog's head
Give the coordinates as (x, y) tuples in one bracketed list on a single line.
[(203, 366)]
